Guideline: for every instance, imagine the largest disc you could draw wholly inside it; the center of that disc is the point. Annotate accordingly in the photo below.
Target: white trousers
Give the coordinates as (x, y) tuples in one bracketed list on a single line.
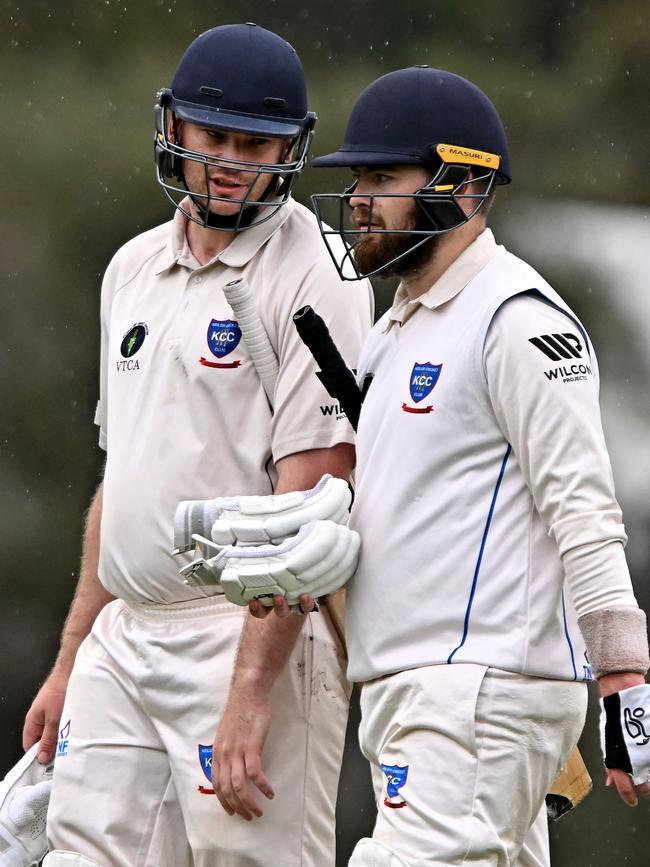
[(131, 785), (462, 757)]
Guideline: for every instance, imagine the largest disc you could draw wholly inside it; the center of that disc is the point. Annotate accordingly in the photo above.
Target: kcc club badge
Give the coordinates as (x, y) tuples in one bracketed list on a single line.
[(223, 337), (424, 376), (396, 776), (205, 760)]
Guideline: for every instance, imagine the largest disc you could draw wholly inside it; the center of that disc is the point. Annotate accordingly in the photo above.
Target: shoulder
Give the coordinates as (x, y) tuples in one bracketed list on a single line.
[(132, 256), (536, 315), (530, 332)]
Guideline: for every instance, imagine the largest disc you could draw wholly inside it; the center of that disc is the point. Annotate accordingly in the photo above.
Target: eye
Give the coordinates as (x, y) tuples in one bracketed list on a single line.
[(259, 142)]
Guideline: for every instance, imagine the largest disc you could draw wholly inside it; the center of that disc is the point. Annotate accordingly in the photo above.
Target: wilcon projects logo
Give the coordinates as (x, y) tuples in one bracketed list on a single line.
[(565, 348)]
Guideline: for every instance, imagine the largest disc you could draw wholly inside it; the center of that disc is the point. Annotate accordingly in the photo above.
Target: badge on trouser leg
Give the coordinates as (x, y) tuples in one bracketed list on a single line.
[(24, 797), (625, 732), (68, 859), (371, 853)]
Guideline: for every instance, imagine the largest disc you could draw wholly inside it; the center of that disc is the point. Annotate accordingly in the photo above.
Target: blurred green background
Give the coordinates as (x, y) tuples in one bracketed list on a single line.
[(77, 85)]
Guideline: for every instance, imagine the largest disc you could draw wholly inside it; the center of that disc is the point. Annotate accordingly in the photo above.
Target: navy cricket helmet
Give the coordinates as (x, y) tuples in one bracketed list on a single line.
[(418, 116), (238, 78)]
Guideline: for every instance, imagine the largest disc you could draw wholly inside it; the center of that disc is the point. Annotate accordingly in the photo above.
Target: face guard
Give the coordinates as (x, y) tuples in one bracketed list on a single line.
[(282, 176), (437, 205)]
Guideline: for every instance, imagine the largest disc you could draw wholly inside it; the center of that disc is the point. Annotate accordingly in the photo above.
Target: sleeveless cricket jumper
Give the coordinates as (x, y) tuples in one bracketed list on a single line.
[(483, 494), (457, 564)]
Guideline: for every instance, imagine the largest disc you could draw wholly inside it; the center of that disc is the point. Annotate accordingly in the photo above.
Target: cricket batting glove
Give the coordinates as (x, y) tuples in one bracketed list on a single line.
[(318, 560), (251, 520), (625, 731), (24, 796)]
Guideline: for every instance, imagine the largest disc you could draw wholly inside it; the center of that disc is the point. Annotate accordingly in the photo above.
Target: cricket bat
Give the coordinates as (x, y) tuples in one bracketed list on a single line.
[(570, 788)]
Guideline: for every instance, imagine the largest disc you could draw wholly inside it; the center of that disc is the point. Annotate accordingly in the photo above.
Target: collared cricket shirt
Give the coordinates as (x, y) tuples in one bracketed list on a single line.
[(182, 412)]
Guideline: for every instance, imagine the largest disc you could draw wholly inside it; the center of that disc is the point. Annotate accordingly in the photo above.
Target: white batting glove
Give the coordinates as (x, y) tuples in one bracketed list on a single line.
[(24, 797), (625, 732), (254, 520), (319, 559)]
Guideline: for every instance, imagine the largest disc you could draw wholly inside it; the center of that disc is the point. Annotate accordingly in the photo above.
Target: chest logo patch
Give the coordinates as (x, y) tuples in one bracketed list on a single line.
[(423, 379), (133, 340), (223, 336)]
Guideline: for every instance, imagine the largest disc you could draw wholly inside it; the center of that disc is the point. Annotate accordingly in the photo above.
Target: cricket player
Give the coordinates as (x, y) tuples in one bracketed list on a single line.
[(143, 675), (492, 581)]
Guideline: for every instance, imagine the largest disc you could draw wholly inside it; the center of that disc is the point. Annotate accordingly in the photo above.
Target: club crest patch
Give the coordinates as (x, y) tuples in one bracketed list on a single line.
[(423, 379), (396, 776), (223, 337), (205, 760)]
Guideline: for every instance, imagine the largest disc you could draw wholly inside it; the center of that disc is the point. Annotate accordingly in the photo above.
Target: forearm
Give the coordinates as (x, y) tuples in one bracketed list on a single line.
[(266, 644), (264, 650), (90, 596)]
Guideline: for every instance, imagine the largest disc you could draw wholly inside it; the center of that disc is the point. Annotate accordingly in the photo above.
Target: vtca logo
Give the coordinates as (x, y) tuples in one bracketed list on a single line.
[(132, 343)]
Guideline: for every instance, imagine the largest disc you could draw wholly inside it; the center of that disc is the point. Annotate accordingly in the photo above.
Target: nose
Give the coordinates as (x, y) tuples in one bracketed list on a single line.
[(358, 199)]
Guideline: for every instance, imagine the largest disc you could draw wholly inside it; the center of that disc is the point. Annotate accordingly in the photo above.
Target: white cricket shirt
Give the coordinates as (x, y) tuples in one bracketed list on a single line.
[(182, 412), (482, 477)]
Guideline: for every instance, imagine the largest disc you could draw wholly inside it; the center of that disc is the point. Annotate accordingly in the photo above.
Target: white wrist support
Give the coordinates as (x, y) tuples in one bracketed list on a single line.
[(616, 639), (625, 731), (250, 520), (24, 797)]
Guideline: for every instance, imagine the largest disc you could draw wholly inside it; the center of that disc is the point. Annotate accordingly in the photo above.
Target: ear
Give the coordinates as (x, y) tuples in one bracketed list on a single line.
[(288, 146), (174, 129)]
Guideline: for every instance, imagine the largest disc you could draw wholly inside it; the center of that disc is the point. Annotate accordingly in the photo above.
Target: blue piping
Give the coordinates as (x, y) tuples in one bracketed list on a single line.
[(568, 638), (480, 553)]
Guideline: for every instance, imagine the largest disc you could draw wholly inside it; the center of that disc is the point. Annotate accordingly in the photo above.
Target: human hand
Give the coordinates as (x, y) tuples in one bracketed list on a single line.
[(237, 752), (306, 604), (625, 734), (44, 716)]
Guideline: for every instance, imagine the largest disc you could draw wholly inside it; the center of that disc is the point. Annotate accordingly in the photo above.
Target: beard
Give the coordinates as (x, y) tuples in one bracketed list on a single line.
[(375, 251)]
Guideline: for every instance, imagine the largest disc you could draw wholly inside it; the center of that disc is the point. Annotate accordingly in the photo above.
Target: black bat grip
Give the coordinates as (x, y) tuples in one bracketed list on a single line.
[(335, 375)]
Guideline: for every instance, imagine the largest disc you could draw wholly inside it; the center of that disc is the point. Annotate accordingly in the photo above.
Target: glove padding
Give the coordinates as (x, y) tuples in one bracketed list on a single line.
[(625, 732), (24, 797), (319, 559), (255, 520)]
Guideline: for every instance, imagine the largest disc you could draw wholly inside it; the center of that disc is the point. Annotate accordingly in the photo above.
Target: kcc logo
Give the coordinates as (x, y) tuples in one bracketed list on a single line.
[(223, 336), (423, 378)]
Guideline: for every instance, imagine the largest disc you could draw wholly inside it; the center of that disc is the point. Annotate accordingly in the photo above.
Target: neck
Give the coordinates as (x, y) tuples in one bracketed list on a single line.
[(206, 243), (448, 249)]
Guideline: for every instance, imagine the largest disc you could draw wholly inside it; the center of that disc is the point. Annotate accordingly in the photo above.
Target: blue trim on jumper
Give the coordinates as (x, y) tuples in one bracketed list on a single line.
[(480, 553), (568, 638)]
